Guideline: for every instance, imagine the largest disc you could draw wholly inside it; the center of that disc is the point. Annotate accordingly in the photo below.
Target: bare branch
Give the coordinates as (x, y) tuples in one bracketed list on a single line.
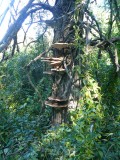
[(6, 11), (37, 58), (44, 6), (15, 27), (103, 44), (35, 41), (97, 24)]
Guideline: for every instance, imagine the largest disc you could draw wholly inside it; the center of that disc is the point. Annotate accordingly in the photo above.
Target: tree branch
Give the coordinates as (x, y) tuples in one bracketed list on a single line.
[(97, 24), (44, 6), (6, 11), (15, 27), (37, 58), (105, 43)]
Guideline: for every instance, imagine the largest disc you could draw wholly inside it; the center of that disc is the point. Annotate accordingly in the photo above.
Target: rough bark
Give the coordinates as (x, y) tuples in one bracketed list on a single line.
[(63, 77), (62, 84)]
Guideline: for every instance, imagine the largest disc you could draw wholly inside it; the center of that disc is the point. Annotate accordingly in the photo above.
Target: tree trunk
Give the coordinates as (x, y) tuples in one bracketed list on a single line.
[(64, 50)]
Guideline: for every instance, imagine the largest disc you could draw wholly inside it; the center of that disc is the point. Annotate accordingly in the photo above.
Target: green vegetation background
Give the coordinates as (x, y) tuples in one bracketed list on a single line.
[(25, 132)]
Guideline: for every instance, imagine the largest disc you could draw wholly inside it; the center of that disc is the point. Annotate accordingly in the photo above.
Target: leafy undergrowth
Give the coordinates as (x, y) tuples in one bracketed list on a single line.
[(22, 118), (93, 131)]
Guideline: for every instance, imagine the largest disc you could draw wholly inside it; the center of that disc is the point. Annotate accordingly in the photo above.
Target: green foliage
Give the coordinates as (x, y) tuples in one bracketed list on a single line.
[(23, 120), (92, 134), (94, 131), (77, 140)]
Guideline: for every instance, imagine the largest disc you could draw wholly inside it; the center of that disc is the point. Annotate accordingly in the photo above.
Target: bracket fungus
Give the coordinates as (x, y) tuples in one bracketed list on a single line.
[(58, 70), (55, 104), (57, 99), (55, 62), (61, 45)]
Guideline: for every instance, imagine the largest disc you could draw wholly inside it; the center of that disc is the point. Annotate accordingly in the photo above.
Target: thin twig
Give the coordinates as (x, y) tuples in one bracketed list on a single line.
[(38, 57)]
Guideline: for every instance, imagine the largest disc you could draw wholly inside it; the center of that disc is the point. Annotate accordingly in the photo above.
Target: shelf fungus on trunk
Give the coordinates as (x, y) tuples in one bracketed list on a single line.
[(57, 102), (57, 99), (55, 105), (62, 70), (48, 59), (54, 62), (61, 46)]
